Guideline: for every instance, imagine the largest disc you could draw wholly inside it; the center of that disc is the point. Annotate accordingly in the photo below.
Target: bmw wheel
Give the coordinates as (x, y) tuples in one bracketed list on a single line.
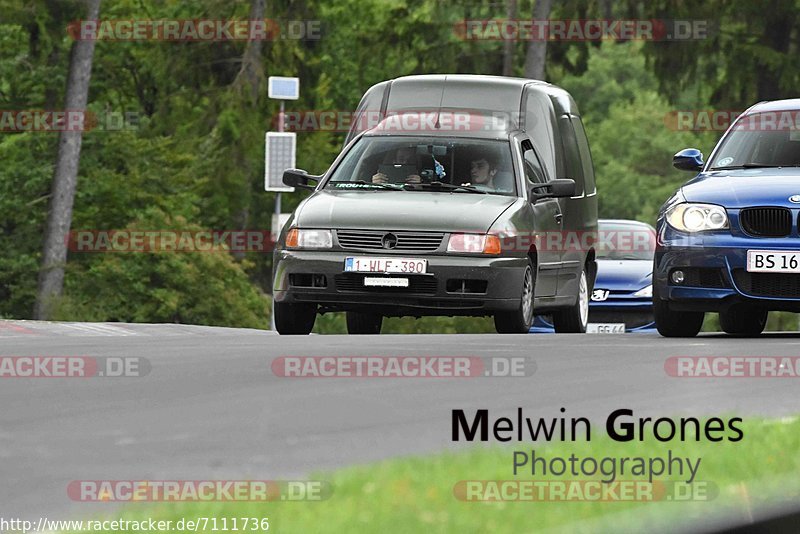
[(675, 324), (743, 320)]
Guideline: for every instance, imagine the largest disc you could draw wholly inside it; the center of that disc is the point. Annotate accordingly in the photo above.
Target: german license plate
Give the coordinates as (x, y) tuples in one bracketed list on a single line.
[(773, 261), (605, 328), (366, 264)]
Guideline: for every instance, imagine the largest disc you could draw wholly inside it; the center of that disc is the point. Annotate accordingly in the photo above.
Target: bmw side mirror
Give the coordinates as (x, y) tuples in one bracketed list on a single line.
[(688, 159), (299, 178), (561, 188)]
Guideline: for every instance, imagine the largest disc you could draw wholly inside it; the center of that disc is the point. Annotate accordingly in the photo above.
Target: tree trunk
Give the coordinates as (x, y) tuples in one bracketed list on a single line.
[(607, 9), (780, 21), (508, 47), (65, 177), (250, 75), (537, 50), (247, 86)]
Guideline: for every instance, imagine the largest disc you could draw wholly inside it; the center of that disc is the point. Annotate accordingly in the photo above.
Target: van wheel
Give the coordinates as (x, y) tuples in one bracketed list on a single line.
[(574, 319), (675, 324), (520, 320), (294, 319), (364, 323), (743, 320)]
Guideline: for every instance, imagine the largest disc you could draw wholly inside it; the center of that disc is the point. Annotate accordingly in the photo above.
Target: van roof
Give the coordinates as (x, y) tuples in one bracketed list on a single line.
[(482, 95)]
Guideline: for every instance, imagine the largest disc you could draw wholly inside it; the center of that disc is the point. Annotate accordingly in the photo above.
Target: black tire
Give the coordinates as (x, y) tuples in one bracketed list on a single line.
[(743, 320), (294, 319), (574, 319), (671, 323), (520, 320), (364, 323)]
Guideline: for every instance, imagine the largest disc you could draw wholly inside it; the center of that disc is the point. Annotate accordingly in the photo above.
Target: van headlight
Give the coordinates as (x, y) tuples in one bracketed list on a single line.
[(474, 244), (690, 217), (304, 238)]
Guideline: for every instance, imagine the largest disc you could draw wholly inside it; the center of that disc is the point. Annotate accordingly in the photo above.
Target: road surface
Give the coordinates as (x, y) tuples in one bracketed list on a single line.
[(211, 408)]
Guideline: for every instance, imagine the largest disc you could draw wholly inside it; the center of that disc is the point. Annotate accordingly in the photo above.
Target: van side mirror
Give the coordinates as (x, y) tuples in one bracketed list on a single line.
[(299, 178), (561, 188), (688, 159)]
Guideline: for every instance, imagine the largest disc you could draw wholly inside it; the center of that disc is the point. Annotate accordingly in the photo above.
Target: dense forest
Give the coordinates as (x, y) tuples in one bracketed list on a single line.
[(179, 136)]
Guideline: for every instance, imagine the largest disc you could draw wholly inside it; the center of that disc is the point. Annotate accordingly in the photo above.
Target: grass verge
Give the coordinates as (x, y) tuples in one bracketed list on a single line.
[(415, 494)]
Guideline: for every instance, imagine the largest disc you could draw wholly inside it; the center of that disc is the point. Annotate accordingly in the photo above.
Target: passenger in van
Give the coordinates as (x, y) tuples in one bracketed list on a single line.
[(482, 171), (403, 156)]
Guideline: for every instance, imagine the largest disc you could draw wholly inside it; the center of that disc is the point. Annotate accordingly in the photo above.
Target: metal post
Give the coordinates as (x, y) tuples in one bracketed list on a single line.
[(278, 215), (278, 218)]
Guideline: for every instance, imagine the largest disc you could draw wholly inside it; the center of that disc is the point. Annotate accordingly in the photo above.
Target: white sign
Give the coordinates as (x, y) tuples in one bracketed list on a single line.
[(283, 88), (279, 155)]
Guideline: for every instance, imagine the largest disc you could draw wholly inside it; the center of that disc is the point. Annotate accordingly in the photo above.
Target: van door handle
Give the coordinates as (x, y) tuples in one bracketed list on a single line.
[(558, 217)]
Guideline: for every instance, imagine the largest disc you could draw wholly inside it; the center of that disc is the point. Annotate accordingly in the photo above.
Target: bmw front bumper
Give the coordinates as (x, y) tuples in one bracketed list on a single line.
[(714, 268)]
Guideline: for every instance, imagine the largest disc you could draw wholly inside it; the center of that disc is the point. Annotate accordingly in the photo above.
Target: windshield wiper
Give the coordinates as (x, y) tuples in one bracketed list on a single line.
[(751, 166), (453, 187), (378, 185)]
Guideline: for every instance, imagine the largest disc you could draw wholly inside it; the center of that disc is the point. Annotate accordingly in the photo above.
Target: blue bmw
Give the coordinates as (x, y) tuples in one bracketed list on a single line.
[(622, 299), (728, 240)]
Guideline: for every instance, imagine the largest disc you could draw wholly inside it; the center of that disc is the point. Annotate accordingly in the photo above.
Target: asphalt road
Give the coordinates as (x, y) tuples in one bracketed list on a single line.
[(211, 408)]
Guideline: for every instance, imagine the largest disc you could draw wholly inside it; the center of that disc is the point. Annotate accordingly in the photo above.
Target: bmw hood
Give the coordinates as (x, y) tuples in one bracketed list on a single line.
[(745, 187), (623, 275), (402, 210)]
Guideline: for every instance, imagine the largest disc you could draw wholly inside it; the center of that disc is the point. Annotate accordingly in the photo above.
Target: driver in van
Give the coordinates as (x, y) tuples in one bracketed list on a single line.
[(482, 170), (403, 156)]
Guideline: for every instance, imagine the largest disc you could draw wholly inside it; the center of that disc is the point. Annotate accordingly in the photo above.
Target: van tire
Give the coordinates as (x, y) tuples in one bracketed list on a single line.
[(520, 320), (574, 319), (364, 323), (295, 319)]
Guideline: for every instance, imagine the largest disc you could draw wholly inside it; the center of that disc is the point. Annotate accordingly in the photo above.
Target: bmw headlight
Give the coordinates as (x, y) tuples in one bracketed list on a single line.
[(645, 292), (690, 217), (302, 238)]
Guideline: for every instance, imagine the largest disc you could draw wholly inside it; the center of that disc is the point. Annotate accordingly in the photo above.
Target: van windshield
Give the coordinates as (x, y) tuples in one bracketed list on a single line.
[(426, 164)]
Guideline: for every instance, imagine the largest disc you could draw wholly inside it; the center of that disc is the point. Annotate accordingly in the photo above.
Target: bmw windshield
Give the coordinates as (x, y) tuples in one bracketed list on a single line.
[(768, 139)]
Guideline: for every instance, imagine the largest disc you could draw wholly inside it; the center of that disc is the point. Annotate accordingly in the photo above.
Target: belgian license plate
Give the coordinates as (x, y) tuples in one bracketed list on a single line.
[(605, 328), (773, 261), (385, 265)]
